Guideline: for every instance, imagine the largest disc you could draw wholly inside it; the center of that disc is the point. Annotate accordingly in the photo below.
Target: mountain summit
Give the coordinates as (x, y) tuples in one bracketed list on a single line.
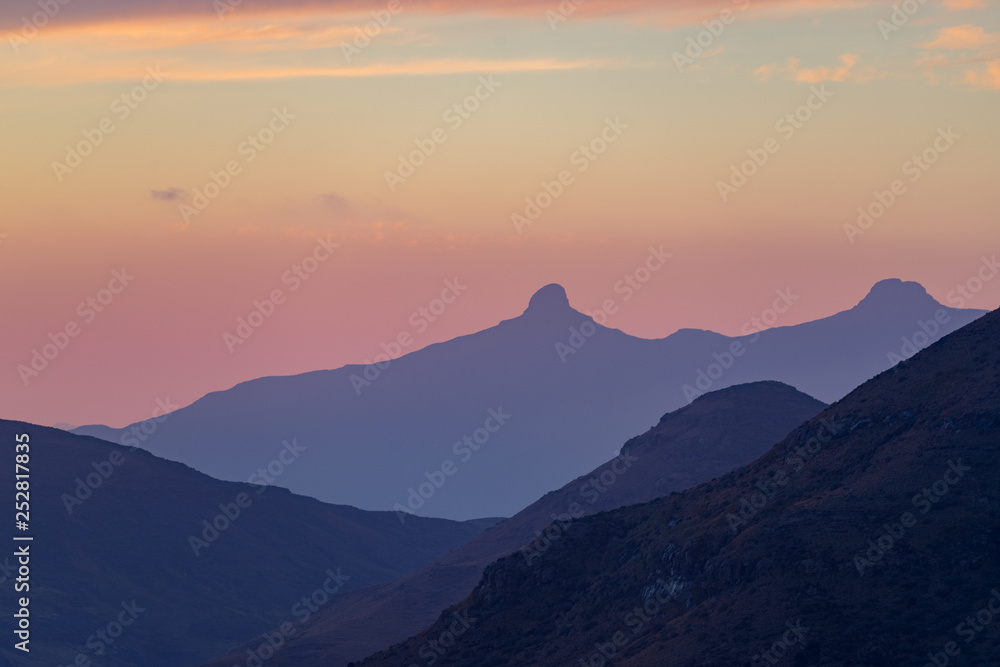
[(895, 293), (549, 298)]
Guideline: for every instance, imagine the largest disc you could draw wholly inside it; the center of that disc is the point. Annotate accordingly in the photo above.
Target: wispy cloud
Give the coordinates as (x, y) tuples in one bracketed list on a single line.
[(241, 34), (959, 5), (820, 74), (47, 73), (988, 78), (339, 205), (412, 68), (12, 11), (792, 69), (170, 194), (963, 38), (964, 55), (303, 38)]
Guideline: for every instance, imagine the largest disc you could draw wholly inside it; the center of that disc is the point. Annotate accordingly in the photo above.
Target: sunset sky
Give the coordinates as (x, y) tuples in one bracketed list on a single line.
[(121, 119)]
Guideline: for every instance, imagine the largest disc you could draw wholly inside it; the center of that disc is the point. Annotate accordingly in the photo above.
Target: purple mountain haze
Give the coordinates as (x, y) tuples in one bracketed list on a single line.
[(484, 424)]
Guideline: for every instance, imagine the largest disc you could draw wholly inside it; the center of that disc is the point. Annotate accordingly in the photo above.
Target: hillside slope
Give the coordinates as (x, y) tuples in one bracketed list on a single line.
[(715, 434), (113, 526), (868, 537)]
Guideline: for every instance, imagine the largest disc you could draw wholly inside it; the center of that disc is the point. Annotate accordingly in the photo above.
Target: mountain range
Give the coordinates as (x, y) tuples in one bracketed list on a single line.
[(866, 538), (715, 434), (536, 399)]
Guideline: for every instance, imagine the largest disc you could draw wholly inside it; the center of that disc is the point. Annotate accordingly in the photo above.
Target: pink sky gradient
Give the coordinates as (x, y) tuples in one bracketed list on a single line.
[(163, 335), (324, 176)]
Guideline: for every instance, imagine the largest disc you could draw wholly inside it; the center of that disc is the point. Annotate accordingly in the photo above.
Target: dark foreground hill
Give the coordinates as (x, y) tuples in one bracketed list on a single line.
[(715, 434), (869, 537), (125, 571), (567, 387)]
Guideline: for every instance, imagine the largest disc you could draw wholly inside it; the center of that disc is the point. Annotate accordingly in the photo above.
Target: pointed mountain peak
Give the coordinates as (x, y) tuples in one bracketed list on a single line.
[(895, 292), (548, 299)]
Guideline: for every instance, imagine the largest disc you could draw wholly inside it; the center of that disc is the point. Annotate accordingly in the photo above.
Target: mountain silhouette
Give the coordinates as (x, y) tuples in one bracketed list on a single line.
[(548, 300), (414, 435), (715, 434), (868, 537), (115, 528)]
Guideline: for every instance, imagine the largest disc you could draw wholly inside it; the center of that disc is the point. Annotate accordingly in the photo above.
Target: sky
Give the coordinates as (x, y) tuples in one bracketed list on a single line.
[(169, 167)]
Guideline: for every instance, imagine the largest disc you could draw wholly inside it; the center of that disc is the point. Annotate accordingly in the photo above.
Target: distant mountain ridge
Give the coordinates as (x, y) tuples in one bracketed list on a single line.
[(715, 434), (867, 538), (564, 407)]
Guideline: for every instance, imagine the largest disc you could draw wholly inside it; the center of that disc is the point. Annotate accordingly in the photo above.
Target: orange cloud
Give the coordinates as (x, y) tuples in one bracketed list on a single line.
[(50, 72), (12, 12), (957, 5), (411, 68), (981, 49), (820, 74), (988, 78), (237, 35), (216, 51), (962, 37), (816, 74)]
